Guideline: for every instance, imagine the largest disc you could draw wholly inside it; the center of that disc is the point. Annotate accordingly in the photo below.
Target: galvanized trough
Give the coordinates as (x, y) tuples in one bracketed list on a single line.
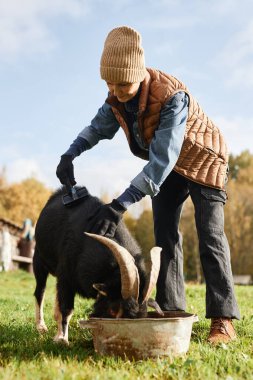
[(154, 336)]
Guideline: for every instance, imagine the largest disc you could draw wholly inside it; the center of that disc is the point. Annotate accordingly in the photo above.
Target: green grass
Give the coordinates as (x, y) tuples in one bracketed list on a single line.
[(26, 355)]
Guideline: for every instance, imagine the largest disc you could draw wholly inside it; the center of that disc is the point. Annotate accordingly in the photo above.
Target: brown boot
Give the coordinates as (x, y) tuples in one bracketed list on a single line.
[(221, 331)]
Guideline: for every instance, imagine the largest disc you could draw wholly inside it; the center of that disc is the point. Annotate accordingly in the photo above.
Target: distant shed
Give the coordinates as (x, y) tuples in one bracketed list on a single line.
[(242, 279), (14, 228), (10, 237)]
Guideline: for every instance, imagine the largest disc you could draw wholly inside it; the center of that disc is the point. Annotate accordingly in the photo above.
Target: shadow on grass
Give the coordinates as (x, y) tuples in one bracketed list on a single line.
[(23, 343)]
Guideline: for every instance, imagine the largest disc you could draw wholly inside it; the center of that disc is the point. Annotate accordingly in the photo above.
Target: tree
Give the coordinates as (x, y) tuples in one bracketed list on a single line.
[(142, 229), (239, 162), (239, 225), (23, 200)]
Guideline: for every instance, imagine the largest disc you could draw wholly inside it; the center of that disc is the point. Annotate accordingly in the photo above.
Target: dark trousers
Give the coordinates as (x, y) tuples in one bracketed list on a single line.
[(213, 246)]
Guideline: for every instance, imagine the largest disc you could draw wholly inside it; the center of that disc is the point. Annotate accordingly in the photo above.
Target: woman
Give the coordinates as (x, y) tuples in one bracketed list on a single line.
[(186, 155)]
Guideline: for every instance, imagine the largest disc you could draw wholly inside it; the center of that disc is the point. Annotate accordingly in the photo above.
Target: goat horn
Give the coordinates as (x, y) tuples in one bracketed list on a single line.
[(152, 263), (130, 280)]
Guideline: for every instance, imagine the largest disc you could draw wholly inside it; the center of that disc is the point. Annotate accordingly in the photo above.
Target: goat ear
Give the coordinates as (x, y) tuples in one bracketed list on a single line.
[(101, 289)]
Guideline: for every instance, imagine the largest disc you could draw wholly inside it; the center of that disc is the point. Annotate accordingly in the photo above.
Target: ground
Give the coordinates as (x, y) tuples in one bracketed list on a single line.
[(26, 355)]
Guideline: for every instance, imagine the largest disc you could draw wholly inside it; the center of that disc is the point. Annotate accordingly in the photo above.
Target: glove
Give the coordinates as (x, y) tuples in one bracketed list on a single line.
[(65, 170), (106, 220)]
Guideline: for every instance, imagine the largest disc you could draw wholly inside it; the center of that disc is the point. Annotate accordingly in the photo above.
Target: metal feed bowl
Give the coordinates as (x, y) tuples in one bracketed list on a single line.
[(154, 336)]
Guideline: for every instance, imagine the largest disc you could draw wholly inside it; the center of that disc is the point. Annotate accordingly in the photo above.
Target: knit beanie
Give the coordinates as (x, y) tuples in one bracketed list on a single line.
[(123, 57)]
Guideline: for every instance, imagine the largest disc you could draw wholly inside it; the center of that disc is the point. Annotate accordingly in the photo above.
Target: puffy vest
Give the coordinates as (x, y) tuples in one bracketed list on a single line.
[(204, 156)]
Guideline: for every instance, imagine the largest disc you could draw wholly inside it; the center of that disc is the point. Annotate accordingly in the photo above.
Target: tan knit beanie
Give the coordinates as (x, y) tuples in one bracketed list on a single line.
[(123, 57)]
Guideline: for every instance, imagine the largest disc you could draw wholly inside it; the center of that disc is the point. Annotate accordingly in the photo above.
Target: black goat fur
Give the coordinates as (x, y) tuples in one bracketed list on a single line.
[(78, 261)]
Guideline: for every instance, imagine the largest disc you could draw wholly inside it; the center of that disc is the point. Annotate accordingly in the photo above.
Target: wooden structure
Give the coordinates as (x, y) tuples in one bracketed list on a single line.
[(11, 234), (242, 279)]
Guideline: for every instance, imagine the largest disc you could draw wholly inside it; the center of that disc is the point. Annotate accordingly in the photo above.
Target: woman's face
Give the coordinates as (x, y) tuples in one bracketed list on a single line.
[(123, 91)]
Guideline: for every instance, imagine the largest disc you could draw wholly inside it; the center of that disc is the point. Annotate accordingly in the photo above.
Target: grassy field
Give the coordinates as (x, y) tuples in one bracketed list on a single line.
[(26, 355)]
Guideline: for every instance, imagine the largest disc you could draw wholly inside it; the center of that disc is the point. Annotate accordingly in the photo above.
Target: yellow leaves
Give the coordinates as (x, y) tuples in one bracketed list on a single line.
[(142, 229), (23, 200)]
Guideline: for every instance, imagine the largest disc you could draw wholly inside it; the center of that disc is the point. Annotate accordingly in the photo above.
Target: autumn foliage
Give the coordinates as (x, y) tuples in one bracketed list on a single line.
[(22, 200)]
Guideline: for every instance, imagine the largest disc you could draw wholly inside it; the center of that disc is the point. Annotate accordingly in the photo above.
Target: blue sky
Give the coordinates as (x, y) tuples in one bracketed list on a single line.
[(50, 86)]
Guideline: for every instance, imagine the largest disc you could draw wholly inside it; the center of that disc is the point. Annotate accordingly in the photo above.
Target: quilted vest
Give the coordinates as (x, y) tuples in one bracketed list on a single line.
[(204, 156)]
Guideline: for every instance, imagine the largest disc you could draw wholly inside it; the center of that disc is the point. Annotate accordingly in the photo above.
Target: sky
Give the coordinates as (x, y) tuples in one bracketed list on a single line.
[(50, 86)]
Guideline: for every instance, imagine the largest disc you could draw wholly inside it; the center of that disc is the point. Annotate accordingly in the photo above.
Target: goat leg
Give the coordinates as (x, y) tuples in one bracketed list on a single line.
[(41, 275), (64, 306)]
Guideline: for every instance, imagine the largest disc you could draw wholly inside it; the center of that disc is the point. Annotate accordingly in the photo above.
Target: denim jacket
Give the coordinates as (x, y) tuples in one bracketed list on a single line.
[(165, 146)]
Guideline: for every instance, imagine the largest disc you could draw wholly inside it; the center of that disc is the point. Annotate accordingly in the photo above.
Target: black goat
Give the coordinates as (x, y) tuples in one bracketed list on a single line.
[(112, 271)]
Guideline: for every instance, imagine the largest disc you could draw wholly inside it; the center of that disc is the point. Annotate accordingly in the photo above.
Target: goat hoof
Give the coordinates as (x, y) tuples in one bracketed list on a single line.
[(59, 339), (42, 329)]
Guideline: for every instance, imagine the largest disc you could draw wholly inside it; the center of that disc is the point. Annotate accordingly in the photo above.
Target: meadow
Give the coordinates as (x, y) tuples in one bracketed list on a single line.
[(26, 355)]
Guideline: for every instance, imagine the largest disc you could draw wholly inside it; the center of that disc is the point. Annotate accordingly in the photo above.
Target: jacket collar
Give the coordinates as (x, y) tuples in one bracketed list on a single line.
[(145, 84)]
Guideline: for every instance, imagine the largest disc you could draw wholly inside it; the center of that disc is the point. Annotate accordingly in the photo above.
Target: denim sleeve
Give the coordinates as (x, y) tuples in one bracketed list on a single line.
[(103, 126), (165, 147), (78, 146)]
